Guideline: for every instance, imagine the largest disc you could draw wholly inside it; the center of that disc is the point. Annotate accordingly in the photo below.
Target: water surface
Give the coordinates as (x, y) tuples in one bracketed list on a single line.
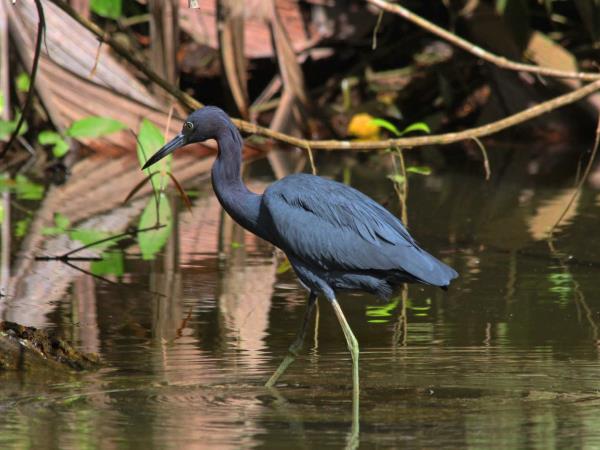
[(507, 358)]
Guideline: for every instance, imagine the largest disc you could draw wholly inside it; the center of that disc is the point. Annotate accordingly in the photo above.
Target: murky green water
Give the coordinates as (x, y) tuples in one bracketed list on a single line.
[(507, 358)]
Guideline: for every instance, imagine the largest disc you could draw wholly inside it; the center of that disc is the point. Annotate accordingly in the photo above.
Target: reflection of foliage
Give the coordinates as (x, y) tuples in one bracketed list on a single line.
[(382, 313), (24, 188), (112, 260), (112, 263), (88, 127), (151, 242), (21, 227), (419, 311), (562, 284), (284, 267), (158, 209), (61, 223)]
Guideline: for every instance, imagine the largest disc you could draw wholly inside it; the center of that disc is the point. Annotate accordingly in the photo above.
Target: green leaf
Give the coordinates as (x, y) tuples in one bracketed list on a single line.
[(284, 267), (151, 242), (112, 263), (49, 137), (88, 236), (22, 186), (23, 82), (60, 146), (235, 245), (150, 139), (396, 178), (387, 125), (60, 149), (501, 6), (418, 126), (111, 9), (21, 227), (52, 231), (8, 126), (1, 101), (61, 221), (94, 127), (1, 213), (26, 189), (421, 170), (61, 224)]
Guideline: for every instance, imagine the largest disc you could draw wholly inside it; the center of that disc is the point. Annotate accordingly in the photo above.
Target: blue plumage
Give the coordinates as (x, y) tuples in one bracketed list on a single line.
[(347, 240)]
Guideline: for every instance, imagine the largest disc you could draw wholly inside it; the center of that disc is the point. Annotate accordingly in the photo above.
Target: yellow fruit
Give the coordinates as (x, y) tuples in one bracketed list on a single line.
[(361, 125)]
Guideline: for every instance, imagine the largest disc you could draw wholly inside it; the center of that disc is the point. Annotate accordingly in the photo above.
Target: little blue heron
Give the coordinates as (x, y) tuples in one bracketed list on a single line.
[(335, 237)]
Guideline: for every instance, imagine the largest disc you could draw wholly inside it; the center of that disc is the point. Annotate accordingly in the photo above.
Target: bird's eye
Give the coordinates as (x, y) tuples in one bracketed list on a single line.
[(188, 125)]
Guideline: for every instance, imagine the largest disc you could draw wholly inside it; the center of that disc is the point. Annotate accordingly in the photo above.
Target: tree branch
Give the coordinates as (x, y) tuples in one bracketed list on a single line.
[(499, 61), (437, 139)]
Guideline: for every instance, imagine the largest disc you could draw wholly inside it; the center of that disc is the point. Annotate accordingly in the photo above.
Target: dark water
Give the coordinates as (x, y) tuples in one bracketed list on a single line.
[(507, 358)]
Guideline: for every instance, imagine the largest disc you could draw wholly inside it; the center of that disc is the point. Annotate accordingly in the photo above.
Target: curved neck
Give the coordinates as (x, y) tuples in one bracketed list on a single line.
[(241, 204)]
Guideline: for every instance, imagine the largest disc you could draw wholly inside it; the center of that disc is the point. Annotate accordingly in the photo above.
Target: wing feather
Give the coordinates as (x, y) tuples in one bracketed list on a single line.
[(336, 227)]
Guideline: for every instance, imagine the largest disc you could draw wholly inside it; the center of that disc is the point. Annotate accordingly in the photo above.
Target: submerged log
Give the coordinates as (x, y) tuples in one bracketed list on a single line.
[(29, 349)]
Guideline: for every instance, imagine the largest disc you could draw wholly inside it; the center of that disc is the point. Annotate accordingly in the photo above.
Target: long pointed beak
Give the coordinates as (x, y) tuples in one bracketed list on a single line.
[(175, 143)]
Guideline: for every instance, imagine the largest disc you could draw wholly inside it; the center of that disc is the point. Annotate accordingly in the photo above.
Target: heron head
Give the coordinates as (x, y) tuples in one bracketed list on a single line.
[(203, 124)]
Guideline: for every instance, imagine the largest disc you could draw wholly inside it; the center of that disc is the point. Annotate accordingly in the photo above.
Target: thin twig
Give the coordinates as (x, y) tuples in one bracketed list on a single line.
[(582, 180), (66, 256), (499, 61), (32, 76), (313, 168), (101, 278), (486, 161), (376, 30), (96, 60), (404, 187), (87, 272)]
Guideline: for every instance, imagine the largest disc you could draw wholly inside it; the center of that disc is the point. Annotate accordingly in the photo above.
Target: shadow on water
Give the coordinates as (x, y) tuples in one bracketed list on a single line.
[(508, 357)]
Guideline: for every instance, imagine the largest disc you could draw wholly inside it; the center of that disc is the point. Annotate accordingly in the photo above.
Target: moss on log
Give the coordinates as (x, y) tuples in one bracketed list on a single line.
[(29, 349)]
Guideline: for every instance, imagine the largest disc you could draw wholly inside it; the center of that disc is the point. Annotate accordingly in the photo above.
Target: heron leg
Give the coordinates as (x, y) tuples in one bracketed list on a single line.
[(297, 344), (353, 347)]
